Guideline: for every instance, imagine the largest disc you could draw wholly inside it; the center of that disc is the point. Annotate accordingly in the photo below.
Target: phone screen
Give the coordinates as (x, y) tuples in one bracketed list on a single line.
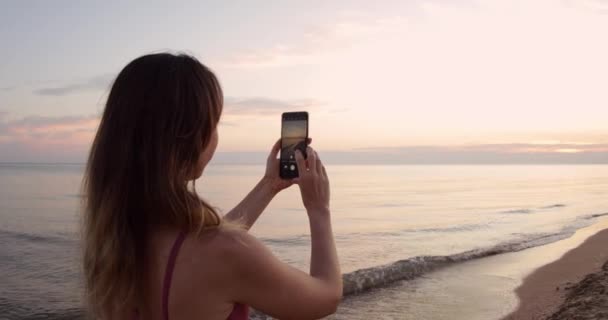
[(294, 132), (293, 136)]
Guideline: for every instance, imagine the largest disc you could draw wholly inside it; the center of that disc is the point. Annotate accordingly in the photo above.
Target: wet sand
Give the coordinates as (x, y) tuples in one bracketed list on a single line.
[(586, 300), (572, 287)]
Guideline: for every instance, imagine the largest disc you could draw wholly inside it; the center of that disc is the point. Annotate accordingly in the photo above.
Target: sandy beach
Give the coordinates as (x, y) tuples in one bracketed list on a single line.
[(572, 287)]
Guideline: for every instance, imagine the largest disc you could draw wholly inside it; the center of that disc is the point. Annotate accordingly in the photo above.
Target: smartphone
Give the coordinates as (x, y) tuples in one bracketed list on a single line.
[(294, 134)]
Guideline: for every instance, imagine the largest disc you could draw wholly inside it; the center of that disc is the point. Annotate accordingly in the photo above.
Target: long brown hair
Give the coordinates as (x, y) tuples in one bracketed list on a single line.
[(159, 117)]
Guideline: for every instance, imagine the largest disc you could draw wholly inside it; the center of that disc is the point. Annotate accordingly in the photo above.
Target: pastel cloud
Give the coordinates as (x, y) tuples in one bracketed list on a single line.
[(597, 6), (96, 83), (349, 29), (317, 42), (46, 139), (508, 153), (500, 148), (233, 105), (66, 130)]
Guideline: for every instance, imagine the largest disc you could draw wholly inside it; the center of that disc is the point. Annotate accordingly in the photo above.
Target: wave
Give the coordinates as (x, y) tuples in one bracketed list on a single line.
[(459, 228), (365, 279), (593, 216), (300, 240), (14, 310), (304, 239), (528, 210), (553, 206), (518, 211), (392, 205), (35, 237)]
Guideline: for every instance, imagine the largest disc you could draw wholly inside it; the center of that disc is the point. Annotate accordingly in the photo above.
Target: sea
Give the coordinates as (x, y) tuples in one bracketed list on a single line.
[(392, 223)]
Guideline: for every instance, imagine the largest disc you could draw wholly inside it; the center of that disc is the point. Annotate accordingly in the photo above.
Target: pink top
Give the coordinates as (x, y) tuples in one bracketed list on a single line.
[(239, 311)]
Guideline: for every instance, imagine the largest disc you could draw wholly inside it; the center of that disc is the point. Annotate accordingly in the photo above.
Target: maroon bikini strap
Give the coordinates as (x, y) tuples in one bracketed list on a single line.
[(169, 273)]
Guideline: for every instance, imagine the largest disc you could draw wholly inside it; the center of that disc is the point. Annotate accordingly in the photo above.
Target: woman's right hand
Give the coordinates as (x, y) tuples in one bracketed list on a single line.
[(313, 182), (277, 289)]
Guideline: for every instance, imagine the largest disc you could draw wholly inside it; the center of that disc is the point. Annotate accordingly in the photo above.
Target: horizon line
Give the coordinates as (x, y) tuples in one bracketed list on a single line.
[(354, 163)]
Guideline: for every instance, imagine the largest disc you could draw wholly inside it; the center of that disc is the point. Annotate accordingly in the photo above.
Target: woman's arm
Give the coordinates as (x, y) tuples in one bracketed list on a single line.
[(250, 208), (260, 280)]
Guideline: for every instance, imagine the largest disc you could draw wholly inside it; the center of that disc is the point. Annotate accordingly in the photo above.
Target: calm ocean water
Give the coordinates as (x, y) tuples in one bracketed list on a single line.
[(390, 222)]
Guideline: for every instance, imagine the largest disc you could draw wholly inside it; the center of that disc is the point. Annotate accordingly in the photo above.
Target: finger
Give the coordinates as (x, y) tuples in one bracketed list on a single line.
[(312, 159), (275, 150), (308, 141), (318, 164), (301, 163), (324, 172)]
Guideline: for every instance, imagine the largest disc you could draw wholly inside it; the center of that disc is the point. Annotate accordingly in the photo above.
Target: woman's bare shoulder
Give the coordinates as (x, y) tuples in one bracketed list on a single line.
[(213, 246), (224, 243), (214, 258)]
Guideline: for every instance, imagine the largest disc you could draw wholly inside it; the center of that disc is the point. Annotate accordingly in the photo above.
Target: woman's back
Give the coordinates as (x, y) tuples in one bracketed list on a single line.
[(187, 272)]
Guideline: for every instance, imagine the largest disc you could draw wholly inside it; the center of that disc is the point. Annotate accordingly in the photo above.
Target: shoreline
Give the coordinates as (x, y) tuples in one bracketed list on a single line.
[(478, 289), (559, 289)]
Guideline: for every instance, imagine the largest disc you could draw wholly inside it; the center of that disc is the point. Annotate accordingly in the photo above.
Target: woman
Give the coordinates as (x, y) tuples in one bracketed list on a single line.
[(152, 248)]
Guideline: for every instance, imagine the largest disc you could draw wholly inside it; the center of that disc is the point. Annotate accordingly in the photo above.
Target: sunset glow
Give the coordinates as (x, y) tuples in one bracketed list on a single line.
[(402, 74), (569, 150)]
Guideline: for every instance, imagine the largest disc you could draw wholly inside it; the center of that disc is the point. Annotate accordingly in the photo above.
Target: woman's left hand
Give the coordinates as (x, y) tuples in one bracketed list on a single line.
[(272, 177)]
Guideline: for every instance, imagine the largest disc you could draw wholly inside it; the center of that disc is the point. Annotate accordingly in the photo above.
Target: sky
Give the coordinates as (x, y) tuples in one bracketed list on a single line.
[(413, 81)]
